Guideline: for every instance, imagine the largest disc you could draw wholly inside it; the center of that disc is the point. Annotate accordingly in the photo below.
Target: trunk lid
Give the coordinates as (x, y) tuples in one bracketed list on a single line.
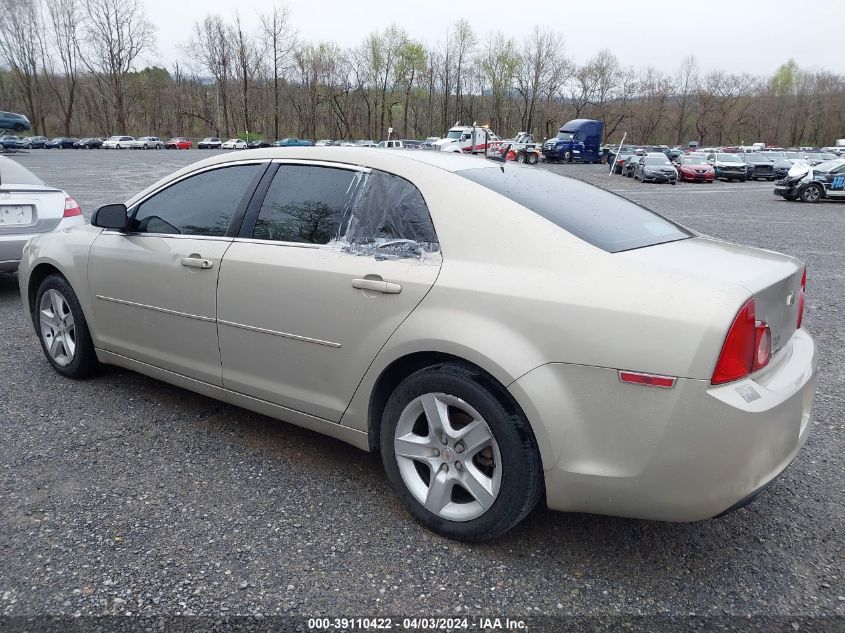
[(773, 279), (30, 208)]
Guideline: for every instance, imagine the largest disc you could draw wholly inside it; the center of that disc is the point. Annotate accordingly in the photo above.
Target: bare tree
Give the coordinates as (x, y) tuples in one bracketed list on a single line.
[(540, 61), (117, 33), (211, 48), (21, 52), (281, 44), (65, 24)]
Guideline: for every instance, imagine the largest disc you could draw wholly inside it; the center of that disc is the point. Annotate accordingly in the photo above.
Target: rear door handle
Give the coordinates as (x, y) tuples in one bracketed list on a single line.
[(197, 262), (377, 285)]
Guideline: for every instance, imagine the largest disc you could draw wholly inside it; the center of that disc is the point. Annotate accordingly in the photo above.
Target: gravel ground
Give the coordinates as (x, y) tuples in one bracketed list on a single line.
[(122, 494)]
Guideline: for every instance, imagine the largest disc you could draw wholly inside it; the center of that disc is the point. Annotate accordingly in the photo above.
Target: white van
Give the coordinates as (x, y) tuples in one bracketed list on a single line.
[(391, 144)]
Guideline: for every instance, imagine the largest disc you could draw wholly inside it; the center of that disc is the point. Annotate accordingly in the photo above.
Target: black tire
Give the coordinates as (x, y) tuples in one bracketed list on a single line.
[(531, 159), (811, 193), (520, 157), (522, 473), (84, 361)]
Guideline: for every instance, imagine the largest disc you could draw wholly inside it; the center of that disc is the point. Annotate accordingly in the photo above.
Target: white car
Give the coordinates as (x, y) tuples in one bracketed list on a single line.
[(728, 166), (118, 142), (552, 340), (147, 142), (28, 207), (234, 143)]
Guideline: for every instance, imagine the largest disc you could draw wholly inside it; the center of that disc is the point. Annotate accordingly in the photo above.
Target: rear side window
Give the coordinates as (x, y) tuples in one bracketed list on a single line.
[(598, 217), (12, 173), (305, 204), (203, 204)]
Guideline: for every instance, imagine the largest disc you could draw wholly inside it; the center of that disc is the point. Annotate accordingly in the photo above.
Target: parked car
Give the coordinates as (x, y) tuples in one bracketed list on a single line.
[(694, 169), (28, 207), (412, 144), (630, 165), (324, 142), (9, 142), (60, 142), (758, 166), (621, 158), (179, 142), (14, 121), (669, 379), (811, 183), (784, 161), (429, 142), (147, 142), (260, 143), (118, 142), (393, 144), (815, 158), (32, 142), (210, 142), (655, 167), (88, 143), (234, 143), (728, 166), (366, 143), (292, 142)]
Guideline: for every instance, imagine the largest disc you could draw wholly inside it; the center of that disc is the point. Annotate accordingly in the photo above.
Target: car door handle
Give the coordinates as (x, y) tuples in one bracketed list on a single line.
[(377, 285), (197, 262)]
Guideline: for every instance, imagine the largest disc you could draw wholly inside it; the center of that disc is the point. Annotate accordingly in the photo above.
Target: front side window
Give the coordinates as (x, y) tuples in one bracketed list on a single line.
[(203, 204)]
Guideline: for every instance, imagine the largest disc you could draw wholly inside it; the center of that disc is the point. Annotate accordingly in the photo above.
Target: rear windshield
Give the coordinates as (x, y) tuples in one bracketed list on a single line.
[(11, 173), (598, 217)]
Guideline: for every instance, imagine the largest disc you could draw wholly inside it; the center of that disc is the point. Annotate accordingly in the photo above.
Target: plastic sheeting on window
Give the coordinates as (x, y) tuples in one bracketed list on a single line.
[(387, 218)]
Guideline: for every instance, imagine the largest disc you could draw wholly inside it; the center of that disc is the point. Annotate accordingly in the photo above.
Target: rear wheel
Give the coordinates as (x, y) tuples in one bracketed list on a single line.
[(532, 159), (62, 329), (459, 454), (520, 157)]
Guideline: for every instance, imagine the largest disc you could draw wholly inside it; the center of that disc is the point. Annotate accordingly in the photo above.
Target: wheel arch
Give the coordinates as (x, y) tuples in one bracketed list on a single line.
[(399, 369), (36, 278)]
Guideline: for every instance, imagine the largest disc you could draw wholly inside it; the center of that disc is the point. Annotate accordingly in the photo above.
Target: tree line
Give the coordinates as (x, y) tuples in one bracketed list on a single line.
[(75, 67)]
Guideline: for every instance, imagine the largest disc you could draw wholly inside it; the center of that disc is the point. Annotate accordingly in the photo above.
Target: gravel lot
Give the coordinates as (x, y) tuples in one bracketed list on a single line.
[(122, 494)]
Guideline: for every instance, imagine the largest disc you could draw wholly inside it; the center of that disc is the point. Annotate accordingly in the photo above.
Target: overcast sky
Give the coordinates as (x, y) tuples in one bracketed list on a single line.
[(736, 35)]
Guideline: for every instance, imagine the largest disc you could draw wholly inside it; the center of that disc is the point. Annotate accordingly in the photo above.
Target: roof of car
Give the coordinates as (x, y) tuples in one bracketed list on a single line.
[(448, 161)]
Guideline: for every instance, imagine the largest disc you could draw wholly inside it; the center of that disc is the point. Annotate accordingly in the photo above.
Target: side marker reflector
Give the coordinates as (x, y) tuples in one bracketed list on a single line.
[(649, 380)]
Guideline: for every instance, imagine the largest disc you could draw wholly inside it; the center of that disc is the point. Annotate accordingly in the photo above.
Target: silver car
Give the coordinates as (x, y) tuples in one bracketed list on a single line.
[(498, 337), (28, 207), (147, 142)]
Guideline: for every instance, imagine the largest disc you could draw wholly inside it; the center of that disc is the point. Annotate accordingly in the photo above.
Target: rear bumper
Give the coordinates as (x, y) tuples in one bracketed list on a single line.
[(681, 454), (11, 245)]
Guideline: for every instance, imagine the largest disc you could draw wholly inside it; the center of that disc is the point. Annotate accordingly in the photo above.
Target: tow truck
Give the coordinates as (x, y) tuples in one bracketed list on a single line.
[(466, 139)]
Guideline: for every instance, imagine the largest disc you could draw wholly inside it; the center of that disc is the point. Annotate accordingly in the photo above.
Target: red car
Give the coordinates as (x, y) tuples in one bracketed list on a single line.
[(180, 142), (694, 169)]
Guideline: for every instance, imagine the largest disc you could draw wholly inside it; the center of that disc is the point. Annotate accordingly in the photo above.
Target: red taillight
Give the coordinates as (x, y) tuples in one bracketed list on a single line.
[(747, 348), (801, 299), (72, 209)]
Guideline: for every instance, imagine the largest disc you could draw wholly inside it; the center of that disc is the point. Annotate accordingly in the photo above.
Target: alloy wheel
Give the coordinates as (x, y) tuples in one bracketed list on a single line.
[(58, 330), (447, 457)]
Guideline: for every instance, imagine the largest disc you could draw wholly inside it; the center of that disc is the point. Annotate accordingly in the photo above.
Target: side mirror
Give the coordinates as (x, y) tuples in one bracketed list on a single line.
[(111, 216)]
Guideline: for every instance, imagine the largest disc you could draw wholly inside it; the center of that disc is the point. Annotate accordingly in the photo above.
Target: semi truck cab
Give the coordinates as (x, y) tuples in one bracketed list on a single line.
[(577, 140)]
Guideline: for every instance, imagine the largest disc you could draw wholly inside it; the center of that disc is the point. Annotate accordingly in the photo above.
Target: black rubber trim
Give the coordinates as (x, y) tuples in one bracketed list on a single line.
[(244, 205), (250, 216)]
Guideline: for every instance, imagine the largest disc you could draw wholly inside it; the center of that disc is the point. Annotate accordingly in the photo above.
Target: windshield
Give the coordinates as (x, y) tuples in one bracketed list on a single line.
[(598, 217), (454, 134), (656, 160), (752, 158), (728, 158), (794, 155), (829, 165), (114, 138), (565, 136), (694, 160)]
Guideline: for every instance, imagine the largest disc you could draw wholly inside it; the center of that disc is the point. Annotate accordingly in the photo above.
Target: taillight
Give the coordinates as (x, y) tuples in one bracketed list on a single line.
[(801, 299), (72, 208), (747, 348)]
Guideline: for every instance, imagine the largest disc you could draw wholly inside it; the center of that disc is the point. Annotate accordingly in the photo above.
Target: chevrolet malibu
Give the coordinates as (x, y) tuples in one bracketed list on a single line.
[(497, 335)]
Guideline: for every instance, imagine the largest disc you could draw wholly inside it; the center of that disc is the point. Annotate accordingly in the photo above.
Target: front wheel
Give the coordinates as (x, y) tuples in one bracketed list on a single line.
[(62, 329), (811, 193), (459, 453), (520, 158)]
